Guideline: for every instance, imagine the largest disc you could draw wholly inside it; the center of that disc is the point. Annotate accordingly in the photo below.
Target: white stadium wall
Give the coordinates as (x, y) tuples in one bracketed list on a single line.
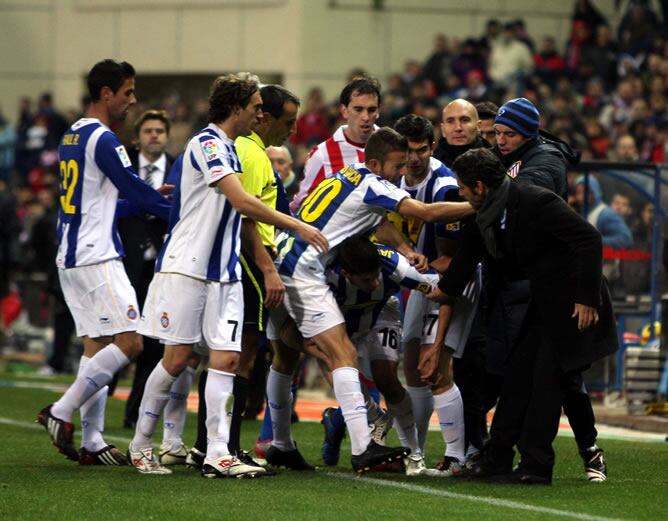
[(48, 45)]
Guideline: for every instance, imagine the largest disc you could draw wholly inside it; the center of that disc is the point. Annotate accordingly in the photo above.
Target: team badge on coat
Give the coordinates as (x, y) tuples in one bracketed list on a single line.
[(132, 312), (514, 169)]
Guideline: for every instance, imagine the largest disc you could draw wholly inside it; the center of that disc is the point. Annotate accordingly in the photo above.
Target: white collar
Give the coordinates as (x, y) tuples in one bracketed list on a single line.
[(160, 164)]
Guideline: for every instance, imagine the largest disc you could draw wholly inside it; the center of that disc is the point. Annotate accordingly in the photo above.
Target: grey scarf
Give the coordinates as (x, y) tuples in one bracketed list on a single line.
[(490, 214)]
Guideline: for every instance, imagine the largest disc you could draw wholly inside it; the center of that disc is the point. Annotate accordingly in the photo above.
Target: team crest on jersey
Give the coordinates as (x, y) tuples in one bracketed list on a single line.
[(164, 320), (453, 227), (123, 156), (210, 149), (132, 312), (514, 169), (423, 287)]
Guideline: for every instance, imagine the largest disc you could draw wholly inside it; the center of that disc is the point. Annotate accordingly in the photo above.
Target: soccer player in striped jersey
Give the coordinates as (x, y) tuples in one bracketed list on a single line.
[(364, 279), (196, 293), (354, 201), (428, 180), (359, 105), (94, 171)]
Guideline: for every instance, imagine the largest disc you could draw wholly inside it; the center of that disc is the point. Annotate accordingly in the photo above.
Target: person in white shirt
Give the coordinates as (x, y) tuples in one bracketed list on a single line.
[(95, 171), (196, 293)]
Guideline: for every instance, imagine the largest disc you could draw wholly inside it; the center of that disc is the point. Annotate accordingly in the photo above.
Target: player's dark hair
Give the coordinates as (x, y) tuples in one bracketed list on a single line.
[(108, 73), (158, 115), (487, 110), (415, 128), (360, 85), (382, 142), (227, 92), (358, 255), (274, 98), (479, 164)]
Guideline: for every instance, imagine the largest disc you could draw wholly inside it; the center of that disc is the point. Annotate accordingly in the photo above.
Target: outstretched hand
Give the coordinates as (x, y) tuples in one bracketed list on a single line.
[(314, 237)]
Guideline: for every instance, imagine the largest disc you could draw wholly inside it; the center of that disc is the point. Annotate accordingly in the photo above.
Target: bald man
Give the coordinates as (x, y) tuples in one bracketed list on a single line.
[(460, 131)]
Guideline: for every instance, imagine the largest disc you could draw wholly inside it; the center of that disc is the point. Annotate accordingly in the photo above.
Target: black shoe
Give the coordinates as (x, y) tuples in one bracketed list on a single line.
[(377, 454), (108, 455), (195, 459), (290, 459), (245, 457), (522, 477), (594, 464), (486, 468), (61, 432)]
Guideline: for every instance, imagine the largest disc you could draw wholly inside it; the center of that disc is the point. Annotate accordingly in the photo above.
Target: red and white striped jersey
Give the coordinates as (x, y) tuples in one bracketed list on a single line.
[(325, 160)]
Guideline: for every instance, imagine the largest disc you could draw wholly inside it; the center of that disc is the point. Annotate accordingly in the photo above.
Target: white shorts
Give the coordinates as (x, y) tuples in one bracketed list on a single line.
[(421, 317), (277, 316), (383, 341), (312, 306), (466, 306), (183, 310), (101, 299)]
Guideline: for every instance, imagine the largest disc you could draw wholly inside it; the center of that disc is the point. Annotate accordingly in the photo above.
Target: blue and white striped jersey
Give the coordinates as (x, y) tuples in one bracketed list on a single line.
[(353, 201), (94, 168), (360, 308), (439, 185), (203, 234)]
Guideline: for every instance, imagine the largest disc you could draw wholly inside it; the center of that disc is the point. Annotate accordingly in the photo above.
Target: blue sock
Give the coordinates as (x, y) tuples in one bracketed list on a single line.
[(375, 394), (266, 432), (337, 419)]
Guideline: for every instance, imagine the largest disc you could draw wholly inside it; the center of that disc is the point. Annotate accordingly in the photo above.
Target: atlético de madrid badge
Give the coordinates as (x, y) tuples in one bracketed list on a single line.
[(514, 169)]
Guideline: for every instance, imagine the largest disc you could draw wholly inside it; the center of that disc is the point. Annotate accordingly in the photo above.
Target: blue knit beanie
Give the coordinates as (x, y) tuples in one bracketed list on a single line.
[(521, 115)]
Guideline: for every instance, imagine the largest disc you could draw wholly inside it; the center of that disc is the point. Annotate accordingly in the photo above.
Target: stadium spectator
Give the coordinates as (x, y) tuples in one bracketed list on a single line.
[(510, 62), (459, 131), (486, 116), (359, 105)]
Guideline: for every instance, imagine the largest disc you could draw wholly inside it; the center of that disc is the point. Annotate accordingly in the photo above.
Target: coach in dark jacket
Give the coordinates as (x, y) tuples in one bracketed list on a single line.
[(569, 322)]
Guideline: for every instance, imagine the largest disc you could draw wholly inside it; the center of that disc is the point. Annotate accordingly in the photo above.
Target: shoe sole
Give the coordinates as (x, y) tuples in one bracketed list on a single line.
[(388, 460), (211, 473)]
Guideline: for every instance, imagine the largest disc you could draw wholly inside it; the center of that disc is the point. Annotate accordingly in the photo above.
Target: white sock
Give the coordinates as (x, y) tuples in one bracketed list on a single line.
[(404, 423), (279, 399), (174, 415), (348, 392), (97, 373), (450, 410), (92, 416), (156, 394), (219, 405), (422, 403)]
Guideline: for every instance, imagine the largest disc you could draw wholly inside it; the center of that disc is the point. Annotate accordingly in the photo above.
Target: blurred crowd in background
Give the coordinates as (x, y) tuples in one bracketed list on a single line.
[(605, 92)]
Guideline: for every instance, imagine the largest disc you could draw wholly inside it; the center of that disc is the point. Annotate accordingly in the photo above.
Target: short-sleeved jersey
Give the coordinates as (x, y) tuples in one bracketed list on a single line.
[(353, 201), (94, 168), (360, 308), (439, 185), (324, 161), (258, 179), (203, 235)]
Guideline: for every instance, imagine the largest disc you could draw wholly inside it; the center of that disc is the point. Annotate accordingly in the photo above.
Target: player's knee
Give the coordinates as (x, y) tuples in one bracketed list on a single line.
[(444, 382), (130, 343), (227, 364)]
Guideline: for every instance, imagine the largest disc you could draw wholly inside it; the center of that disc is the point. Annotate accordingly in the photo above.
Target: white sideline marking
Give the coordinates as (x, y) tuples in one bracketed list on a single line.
[(38, 427), (396, 484), (496, 502)]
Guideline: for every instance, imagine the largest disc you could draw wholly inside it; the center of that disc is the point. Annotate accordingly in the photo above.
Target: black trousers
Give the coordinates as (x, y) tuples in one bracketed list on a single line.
[(529, 407), (469, 375)]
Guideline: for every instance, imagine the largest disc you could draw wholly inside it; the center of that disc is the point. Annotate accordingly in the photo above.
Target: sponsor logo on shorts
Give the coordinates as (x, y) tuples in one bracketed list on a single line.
[(423, 287), (164, 320), (453, 227), (317, 316), (105, 320), (132, 312)]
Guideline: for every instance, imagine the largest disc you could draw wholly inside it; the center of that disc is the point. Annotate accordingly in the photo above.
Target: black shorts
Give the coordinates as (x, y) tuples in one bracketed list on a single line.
[(252, 280)]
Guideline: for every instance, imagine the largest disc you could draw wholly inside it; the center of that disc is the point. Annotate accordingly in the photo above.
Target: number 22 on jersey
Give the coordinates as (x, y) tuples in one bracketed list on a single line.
[(69, 176)]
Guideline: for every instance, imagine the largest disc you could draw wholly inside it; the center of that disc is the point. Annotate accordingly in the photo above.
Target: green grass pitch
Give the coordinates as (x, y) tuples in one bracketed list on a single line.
[(37, 483)]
